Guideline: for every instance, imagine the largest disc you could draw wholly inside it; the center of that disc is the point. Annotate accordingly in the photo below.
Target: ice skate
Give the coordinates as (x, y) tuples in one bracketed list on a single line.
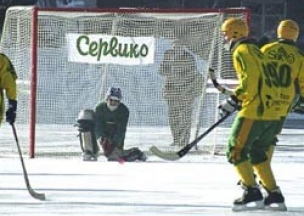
[(87, 156), (251, 199), (275, 200)]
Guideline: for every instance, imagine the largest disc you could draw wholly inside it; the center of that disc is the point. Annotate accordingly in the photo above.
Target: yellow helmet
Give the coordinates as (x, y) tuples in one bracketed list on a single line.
[(235, 28), (288, 29)]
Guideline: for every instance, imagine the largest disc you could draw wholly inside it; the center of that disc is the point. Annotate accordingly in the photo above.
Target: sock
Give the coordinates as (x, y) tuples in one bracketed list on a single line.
[(264, 172), (245, 172)]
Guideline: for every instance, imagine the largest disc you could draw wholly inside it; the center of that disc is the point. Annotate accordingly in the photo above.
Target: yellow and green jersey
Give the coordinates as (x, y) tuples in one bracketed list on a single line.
[(285, 64), (8, 86), (256, 90)]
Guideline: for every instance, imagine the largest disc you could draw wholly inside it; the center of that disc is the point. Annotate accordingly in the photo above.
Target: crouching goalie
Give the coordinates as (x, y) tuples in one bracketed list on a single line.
[(111, 119)]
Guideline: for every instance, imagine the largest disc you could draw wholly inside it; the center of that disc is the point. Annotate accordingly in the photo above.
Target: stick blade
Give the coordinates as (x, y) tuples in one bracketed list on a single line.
[(171, 156), (39, 196)]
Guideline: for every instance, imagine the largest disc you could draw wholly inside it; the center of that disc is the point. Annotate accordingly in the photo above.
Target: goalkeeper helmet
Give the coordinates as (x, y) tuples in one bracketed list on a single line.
[(114, 93), (113, 97), (288, 29), (234, 28)]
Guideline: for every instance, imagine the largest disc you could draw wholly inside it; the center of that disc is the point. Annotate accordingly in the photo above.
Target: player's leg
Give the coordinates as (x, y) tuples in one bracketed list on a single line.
[(260, 157), (185, 121), (243, 134), (173, 115)]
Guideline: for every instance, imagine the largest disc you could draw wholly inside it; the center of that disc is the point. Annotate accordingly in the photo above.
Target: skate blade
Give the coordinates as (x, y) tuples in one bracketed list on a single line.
[(90, 159), (276, 207), (256, 205)]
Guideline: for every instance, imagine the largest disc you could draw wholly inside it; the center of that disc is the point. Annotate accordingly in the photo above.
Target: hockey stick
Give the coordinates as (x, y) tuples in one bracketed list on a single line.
[(222, 89), (25, 175), (172, 156)]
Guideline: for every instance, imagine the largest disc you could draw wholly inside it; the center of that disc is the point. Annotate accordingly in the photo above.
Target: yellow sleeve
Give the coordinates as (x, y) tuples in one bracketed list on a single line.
[(8, 77), (300, 78), (248, 74)]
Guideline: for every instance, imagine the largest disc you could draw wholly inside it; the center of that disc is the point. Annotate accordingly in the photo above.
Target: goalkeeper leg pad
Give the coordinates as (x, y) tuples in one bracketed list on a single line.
[(88, 141), (89, 146)]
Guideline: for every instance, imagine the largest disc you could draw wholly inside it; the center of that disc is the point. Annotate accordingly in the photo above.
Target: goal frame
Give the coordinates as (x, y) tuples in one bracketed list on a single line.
[(34, 46)]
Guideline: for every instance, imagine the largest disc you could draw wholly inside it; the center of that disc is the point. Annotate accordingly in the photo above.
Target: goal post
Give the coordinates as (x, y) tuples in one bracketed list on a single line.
[(67, 58)]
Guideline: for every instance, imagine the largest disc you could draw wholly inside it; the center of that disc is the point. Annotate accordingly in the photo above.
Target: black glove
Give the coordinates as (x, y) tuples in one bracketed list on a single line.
[(229, 105), (11, 111)]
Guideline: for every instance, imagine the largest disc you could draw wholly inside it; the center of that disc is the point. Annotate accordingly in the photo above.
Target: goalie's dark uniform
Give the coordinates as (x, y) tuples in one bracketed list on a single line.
[(111, 120), (111, 124)]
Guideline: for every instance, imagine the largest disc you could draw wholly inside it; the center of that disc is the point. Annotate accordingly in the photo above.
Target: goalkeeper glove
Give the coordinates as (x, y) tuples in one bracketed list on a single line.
[(229, 105), (107, 146), (11, 111)]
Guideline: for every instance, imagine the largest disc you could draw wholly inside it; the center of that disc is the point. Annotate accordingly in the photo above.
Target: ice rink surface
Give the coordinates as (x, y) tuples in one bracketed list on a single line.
[(155, 187), (197, 184)]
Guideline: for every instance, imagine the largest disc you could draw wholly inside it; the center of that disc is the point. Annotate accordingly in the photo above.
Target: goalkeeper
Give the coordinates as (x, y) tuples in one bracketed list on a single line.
[(255, 125), (8, 87), (111, 119)]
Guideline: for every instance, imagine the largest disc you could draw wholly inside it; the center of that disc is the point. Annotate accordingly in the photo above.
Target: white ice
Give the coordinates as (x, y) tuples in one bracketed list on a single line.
[(155, 187), (195, 185)]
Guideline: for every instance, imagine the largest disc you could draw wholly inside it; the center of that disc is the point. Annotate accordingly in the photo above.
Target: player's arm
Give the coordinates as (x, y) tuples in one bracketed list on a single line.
[(223, 89), (100, 122), (8, 79), (122, 123), (247, 69), (298, 104)]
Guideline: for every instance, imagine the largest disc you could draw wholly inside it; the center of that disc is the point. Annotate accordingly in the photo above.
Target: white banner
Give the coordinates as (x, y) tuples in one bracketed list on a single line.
[(100, 49)]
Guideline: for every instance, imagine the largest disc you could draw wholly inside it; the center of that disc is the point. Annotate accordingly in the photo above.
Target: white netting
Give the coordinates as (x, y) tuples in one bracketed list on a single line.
[(65, 87)]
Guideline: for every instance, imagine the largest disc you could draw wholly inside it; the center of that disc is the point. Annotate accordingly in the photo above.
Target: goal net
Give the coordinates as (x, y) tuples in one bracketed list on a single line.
[(66, 59)]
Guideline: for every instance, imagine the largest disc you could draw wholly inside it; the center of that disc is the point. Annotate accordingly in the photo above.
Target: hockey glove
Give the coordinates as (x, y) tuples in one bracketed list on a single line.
[(11, 111), (107, 146), (229, 105)]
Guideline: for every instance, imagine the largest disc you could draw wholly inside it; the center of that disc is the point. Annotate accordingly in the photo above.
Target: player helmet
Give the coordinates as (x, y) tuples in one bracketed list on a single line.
[(234, 28), (113, 97), (114, 93), (288, 29)]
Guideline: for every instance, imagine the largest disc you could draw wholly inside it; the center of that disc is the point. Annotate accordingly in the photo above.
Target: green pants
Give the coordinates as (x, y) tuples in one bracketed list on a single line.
[(253, 138)]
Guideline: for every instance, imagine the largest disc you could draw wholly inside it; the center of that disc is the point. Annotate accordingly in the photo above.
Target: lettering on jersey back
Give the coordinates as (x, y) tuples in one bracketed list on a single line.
[(281, 55)]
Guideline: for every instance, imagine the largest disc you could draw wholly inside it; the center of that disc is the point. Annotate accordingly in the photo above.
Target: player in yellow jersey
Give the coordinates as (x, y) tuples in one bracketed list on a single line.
[(8, 89), (285, 60), (257, 99)]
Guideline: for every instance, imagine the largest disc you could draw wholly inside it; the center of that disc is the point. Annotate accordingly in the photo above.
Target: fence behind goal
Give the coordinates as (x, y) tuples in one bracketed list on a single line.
[(53, 86)]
